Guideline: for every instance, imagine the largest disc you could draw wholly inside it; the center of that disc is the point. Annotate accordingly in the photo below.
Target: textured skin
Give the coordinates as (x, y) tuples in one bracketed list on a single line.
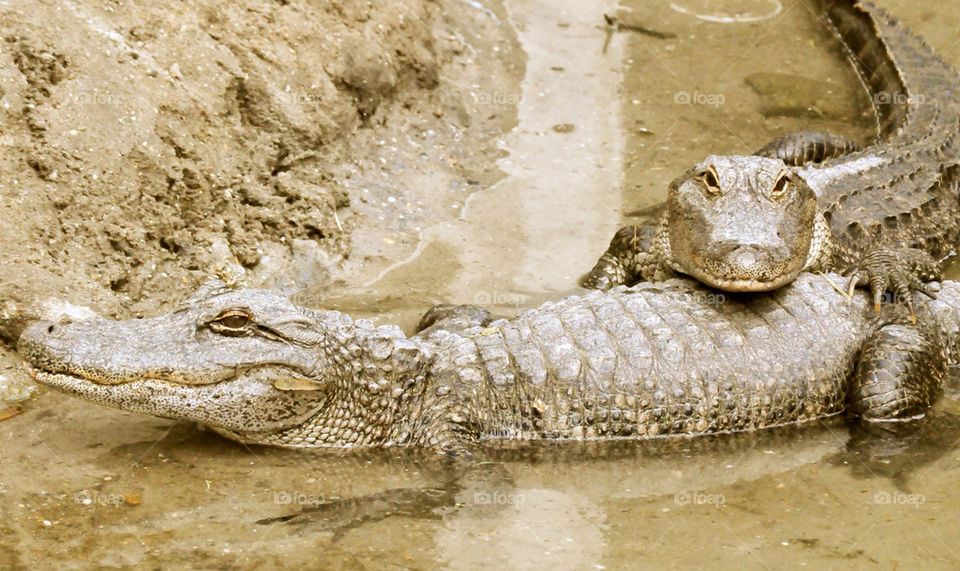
[(660, 359), (898, 193)]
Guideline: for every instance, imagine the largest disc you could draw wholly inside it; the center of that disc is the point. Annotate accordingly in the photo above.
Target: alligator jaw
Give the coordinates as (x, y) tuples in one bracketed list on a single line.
[(59, 380), (246, 406), (116, 396), (742, 285), (105, 395), (736, 278), (167, 399)]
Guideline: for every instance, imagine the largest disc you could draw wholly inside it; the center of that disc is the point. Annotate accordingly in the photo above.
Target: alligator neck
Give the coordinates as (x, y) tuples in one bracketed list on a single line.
[(380, 394)]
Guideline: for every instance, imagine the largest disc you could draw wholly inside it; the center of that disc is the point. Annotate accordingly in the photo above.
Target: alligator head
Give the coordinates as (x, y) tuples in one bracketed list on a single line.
[(741, 223), (246, 363)]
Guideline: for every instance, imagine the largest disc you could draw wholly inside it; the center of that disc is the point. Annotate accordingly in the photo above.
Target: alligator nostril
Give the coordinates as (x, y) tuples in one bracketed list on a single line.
[(744, 255)]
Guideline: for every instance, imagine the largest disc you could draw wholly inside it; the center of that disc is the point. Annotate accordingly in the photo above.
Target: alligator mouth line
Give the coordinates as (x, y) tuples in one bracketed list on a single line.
[(57, 378), (744, 285), (64, 379)]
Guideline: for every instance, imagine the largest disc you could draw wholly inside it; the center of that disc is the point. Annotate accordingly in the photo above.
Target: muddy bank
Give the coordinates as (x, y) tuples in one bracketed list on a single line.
[(147, 145)]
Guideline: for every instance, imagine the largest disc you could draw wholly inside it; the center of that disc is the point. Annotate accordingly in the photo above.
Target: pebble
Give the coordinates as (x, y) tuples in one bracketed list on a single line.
[(13, 391)]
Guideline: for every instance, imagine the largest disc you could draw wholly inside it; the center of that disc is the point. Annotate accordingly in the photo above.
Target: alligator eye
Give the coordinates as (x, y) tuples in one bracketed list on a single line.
[(711, 180), (780, 187), (231, 322)]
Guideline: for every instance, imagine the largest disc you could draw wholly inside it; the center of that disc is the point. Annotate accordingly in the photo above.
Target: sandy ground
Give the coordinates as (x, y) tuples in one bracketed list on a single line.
[(147, 145)]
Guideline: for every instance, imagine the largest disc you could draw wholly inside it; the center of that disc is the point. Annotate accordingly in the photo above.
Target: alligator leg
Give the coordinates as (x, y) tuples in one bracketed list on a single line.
[(453, 318), (899, 270), (629, 258), (900, 373), (801, 147)]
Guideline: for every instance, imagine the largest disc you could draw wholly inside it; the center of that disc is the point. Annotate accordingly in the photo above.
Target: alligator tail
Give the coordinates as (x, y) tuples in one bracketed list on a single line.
[(902, 75)]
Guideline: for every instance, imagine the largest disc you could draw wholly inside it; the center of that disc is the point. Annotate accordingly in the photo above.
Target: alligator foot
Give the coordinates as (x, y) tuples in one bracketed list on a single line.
[(606, 274), (625, 259), (899, 374), (898, 270), (802, 147)]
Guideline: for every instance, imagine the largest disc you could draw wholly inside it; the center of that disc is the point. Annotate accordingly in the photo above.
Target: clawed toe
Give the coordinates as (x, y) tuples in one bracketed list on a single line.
[(899, 271)]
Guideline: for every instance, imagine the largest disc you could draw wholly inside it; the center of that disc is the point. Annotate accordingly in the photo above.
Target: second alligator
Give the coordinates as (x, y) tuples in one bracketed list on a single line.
[(813, 201)]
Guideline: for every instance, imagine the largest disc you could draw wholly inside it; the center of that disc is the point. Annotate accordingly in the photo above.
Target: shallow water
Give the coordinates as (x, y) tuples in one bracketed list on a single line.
[(606, 120)]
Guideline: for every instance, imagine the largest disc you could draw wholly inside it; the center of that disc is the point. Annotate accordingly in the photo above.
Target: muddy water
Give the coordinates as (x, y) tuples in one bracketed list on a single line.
[(605, 121), (558, 204)]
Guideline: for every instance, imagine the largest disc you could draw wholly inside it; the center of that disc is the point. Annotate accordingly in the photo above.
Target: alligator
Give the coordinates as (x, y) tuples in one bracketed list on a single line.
[(815, 201), (655, 360)]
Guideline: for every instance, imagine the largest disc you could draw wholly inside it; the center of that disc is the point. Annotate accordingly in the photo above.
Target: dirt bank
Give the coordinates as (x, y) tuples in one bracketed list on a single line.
[(146, 145)]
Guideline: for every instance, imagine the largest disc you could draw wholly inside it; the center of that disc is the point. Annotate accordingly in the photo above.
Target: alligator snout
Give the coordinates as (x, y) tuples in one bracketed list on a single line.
[(745, 267), (111, 352), (177, 347), (747, 261), (40, 345)]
